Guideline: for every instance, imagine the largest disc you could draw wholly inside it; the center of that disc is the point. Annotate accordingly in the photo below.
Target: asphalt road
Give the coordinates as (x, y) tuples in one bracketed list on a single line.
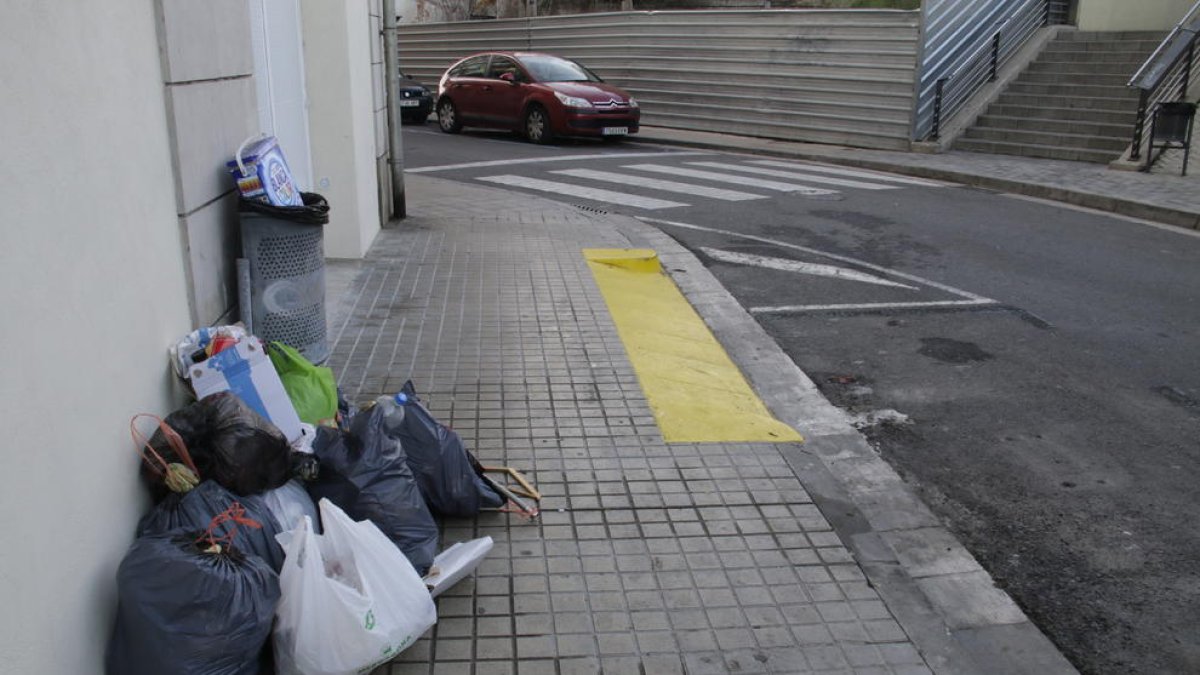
[(1031, 369)]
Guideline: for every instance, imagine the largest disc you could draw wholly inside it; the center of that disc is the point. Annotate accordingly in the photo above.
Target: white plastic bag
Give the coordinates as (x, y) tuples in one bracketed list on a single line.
[(289, 503), (351, 600)]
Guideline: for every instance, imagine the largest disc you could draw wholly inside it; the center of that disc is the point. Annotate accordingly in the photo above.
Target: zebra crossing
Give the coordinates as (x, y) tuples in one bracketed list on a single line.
[(659, 185)]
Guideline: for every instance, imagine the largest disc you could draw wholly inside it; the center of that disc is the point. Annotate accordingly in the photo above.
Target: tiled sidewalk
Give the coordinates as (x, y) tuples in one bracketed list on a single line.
[(649, 558)]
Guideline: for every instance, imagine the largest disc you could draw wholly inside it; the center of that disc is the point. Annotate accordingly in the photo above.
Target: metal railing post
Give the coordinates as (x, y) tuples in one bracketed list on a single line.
[(1139, 127), (1187, 70), (937, 108), (995, 57)]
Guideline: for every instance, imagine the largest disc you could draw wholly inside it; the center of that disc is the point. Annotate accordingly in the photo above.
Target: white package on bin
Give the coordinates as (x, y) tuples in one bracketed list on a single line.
[(261, 172)]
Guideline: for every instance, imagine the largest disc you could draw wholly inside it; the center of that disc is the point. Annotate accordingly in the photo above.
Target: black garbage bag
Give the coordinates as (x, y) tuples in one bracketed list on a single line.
[(364, 472), (195, 509), (187, 611), (448, 475), (230, 444), (315, 210)]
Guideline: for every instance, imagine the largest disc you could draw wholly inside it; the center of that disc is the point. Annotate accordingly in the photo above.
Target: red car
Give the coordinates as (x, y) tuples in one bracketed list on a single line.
[(539, 95)]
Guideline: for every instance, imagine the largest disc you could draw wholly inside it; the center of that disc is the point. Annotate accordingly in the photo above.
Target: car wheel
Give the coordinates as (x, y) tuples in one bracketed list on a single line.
[(537, 125), (448, 117)]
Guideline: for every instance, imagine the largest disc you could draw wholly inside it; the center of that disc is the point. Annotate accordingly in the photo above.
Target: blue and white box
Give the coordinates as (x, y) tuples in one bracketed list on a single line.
[(246, 370), (262, 172)]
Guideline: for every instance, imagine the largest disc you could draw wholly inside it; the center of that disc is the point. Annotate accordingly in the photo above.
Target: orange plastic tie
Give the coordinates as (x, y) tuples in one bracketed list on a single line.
[(233, 516)]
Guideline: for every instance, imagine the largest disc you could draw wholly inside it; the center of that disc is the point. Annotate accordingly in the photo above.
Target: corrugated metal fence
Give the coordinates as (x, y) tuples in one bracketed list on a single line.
[(958, 37), (822, 76)]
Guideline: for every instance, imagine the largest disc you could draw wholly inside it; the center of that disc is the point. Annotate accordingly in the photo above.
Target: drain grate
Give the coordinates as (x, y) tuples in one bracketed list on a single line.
[(590, 209)]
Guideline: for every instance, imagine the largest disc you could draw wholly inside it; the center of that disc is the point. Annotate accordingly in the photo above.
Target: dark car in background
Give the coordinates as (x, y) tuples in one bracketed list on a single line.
[(416, 101), (539, 95)]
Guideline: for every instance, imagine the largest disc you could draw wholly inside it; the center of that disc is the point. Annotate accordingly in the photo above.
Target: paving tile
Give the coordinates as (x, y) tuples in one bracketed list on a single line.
[(536, 647), (494, 648), (576, 645), (495, 668), (657, 642), (617, 643)]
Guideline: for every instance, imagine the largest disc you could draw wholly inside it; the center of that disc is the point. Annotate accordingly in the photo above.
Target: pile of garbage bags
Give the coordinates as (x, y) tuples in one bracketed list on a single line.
[(304, 548)]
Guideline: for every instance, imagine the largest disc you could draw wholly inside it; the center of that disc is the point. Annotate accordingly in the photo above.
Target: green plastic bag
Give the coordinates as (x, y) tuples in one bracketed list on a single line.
[(312, 388)]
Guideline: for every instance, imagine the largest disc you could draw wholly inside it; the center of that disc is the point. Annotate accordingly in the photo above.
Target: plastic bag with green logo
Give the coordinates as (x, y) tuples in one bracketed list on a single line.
[(351, 600), (312, 389)]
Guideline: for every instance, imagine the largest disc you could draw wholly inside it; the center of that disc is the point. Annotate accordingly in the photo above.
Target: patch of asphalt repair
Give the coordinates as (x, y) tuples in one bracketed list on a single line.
[(943, 599)]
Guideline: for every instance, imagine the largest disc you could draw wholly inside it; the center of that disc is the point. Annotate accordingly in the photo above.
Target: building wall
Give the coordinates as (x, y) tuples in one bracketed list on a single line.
[(339, 80), (1118, 15), (208, 68), (94, 288), (279, 82)]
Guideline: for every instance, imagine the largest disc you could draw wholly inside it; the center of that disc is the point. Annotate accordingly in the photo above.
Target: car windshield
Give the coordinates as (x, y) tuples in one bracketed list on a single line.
[(553, 69)]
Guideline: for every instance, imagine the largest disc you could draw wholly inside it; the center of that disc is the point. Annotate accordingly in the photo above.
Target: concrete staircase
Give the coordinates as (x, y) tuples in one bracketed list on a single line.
[(1070, 103)]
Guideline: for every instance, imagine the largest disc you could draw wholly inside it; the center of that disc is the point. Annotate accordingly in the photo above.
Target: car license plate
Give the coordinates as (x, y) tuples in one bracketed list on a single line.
[(614, 131), (409, 103)]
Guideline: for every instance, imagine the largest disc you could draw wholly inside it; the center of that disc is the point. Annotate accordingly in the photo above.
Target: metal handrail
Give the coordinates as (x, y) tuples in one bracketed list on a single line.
[(951, 91), (1169, 69), (1150, 62)]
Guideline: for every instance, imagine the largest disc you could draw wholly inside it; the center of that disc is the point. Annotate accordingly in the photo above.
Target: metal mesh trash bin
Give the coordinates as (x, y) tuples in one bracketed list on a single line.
[(1171, 128), (285, 248)]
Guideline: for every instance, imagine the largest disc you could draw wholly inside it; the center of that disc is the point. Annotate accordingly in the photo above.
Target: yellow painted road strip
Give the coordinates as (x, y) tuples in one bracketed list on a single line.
[(696, 392)]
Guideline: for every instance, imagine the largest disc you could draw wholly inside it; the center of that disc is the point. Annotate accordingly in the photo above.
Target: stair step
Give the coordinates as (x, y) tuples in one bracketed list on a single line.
[(1118, 92), (1082, 142), (1111, 36), (1107, 104), (1088, 79), (1046, 124), (1093, 57), (1082, 113), (1115, 47), (1105, 68), (1072, 103), (1042, 151)]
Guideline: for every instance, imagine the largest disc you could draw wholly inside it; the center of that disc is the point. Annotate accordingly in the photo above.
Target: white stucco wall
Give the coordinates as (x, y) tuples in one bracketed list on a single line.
[(93, 290), (279, 81), (337, 60), (1131, 15)]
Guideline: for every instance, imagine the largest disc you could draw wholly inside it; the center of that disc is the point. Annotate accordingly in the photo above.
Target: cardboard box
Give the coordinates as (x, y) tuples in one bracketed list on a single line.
[(246, 370)]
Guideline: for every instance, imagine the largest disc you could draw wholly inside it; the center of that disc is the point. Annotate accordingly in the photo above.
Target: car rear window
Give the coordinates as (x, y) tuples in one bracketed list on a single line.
[(473, 67), (553, 69)]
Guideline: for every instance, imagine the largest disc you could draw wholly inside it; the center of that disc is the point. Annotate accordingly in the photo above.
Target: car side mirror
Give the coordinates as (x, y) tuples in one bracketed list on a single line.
[(509, 78)]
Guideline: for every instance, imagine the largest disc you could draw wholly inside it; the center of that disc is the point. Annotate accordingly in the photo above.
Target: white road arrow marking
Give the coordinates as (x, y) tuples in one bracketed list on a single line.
[(786, 265)]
